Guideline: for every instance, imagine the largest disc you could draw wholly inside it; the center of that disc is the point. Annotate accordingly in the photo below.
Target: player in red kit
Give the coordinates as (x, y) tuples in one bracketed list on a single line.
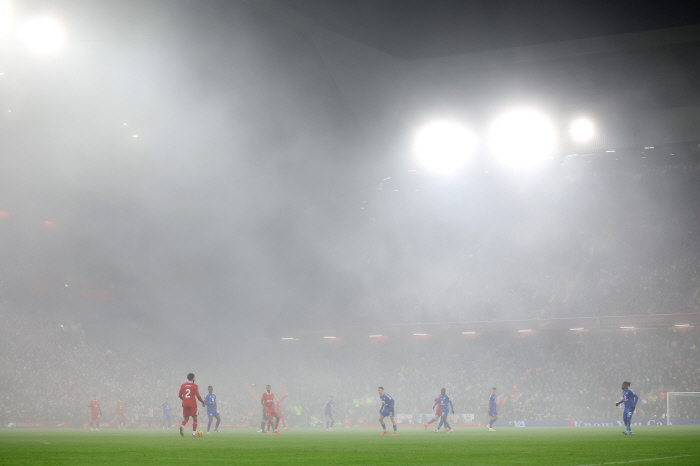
[(95, 412), (278, 408), (268, 402), (438, 413), (120, 414), (189, 393)]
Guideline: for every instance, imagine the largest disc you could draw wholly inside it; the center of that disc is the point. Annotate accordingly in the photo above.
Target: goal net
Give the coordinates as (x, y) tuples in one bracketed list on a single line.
[(681, 406)]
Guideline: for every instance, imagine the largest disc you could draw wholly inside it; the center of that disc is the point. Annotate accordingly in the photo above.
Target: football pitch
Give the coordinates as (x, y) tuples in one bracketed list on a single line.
[(673, 445)]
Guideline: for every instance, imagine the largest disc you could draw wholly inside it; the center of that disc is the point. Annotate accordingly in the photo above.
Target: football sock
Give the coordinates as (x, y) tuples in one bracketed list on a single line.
[(394, 427), (383, 426), (431, 421), (262, 424), (490, 423), (218, 421), (440, 425), (447, 425), (184, 421), (209, 425), (194, 425), (327, 424), (277, 423), (332, 421)]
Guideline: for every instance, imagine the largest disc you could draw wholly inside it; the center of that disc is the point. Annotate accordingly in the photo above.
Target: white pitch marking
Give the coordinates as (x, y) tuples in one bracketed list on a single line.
[(636, 461)]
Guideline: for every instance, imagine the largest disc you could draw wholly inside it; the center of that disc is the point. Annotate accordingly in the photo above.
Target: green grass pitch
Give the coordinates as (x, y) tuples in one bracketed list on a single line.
[(673, 445)]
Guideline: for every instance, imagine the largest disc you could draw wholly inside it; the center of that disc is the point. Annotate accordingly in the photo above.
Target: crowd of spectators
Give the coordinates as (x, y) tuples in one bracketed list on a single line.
[(50, 370), (587, 242)]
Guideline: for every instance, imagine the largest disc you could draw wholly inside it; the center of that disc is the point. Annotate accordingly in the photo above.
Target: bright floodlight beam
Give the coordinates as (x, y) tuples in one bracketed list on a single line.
[(582, 130), (522, 138), (444, 147), (43, 35)]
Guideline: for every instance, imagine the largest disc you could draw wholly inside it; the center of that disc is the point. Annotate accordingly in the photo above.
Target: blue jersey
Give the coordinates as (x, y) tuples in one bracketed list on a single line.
[(445, 404), (387, 401), (166, 409), (329, 408), (629, 398), (493, 403), (210, 401)]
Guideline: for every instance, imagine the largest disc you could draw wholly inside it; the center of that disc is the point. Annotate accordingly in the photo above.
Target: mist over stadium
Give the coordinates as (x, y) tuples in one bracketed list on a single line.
[(332, 196)]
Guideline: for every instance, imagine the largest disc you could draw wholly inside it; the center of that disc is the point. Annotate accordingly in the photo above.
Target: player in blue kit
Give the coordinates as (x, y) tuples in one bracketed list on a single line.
[(493, 409), (328, 414), (210, 402), (629, 398), (262, 422), (387, 409), (166, 412), (445, 408)]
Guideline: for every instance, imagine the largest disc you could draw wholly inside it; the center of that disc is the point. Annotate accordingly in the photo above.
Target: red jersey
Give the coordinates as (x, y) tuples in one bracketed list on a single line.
[(95, 405), (120, 406), (188, 392), (268, 400), (278, 404)]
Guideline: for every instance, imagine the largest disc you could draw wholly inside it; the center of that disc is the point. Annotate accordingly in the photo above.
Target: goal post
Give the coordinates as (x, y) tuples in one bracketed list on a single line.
[(679, 400)]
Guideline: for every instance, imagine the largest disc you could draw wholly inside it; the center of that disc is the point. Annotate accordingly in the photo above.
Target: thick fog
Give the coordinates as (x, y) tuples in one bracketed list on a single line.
[(185, 183)]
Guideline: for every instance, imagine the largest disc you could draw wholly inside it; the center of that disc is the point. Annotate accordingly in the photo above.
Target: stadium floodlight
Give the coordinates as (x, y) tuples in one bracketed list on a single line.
[(43, 35), (444, 147), (287, 338), (582, 130), (468, 333), (522, 138), (329, 338), (627, 328), (375, 336), (420, 334), (525, 331), (577, 329), (682, 325)]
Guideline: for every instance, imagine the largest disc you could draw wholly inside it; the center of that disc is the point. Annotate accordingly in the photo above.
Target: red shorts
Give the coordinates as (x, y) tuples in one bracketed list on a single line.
[(189, 411), (271, 413), (120, 414), (94, 416)]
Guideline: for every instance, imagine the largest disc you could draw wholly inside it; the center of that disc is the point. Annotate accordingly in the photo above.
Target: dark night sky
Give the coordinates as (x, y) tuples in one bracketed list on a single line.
[(414, 29)]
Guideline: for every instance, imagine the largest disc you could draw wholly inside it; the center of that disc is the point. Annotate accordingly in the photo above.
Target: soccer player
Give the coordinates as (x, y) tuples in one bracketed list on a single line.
[(210, 401), (278, 408), (493, 409), (387, 409), (120, 414), (166, 412), (629, 398), (328, 414), (262, 421), (268, 402), (438, 415), (445, 408), (95, 412), (189, 394)]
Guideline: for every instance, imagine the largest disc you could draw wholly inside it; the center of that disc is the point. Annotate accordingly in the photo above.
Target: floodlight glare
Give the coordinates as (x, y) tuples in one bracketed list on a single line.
[(43, 35), (582, 130), (522, 138), (444, 147)]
